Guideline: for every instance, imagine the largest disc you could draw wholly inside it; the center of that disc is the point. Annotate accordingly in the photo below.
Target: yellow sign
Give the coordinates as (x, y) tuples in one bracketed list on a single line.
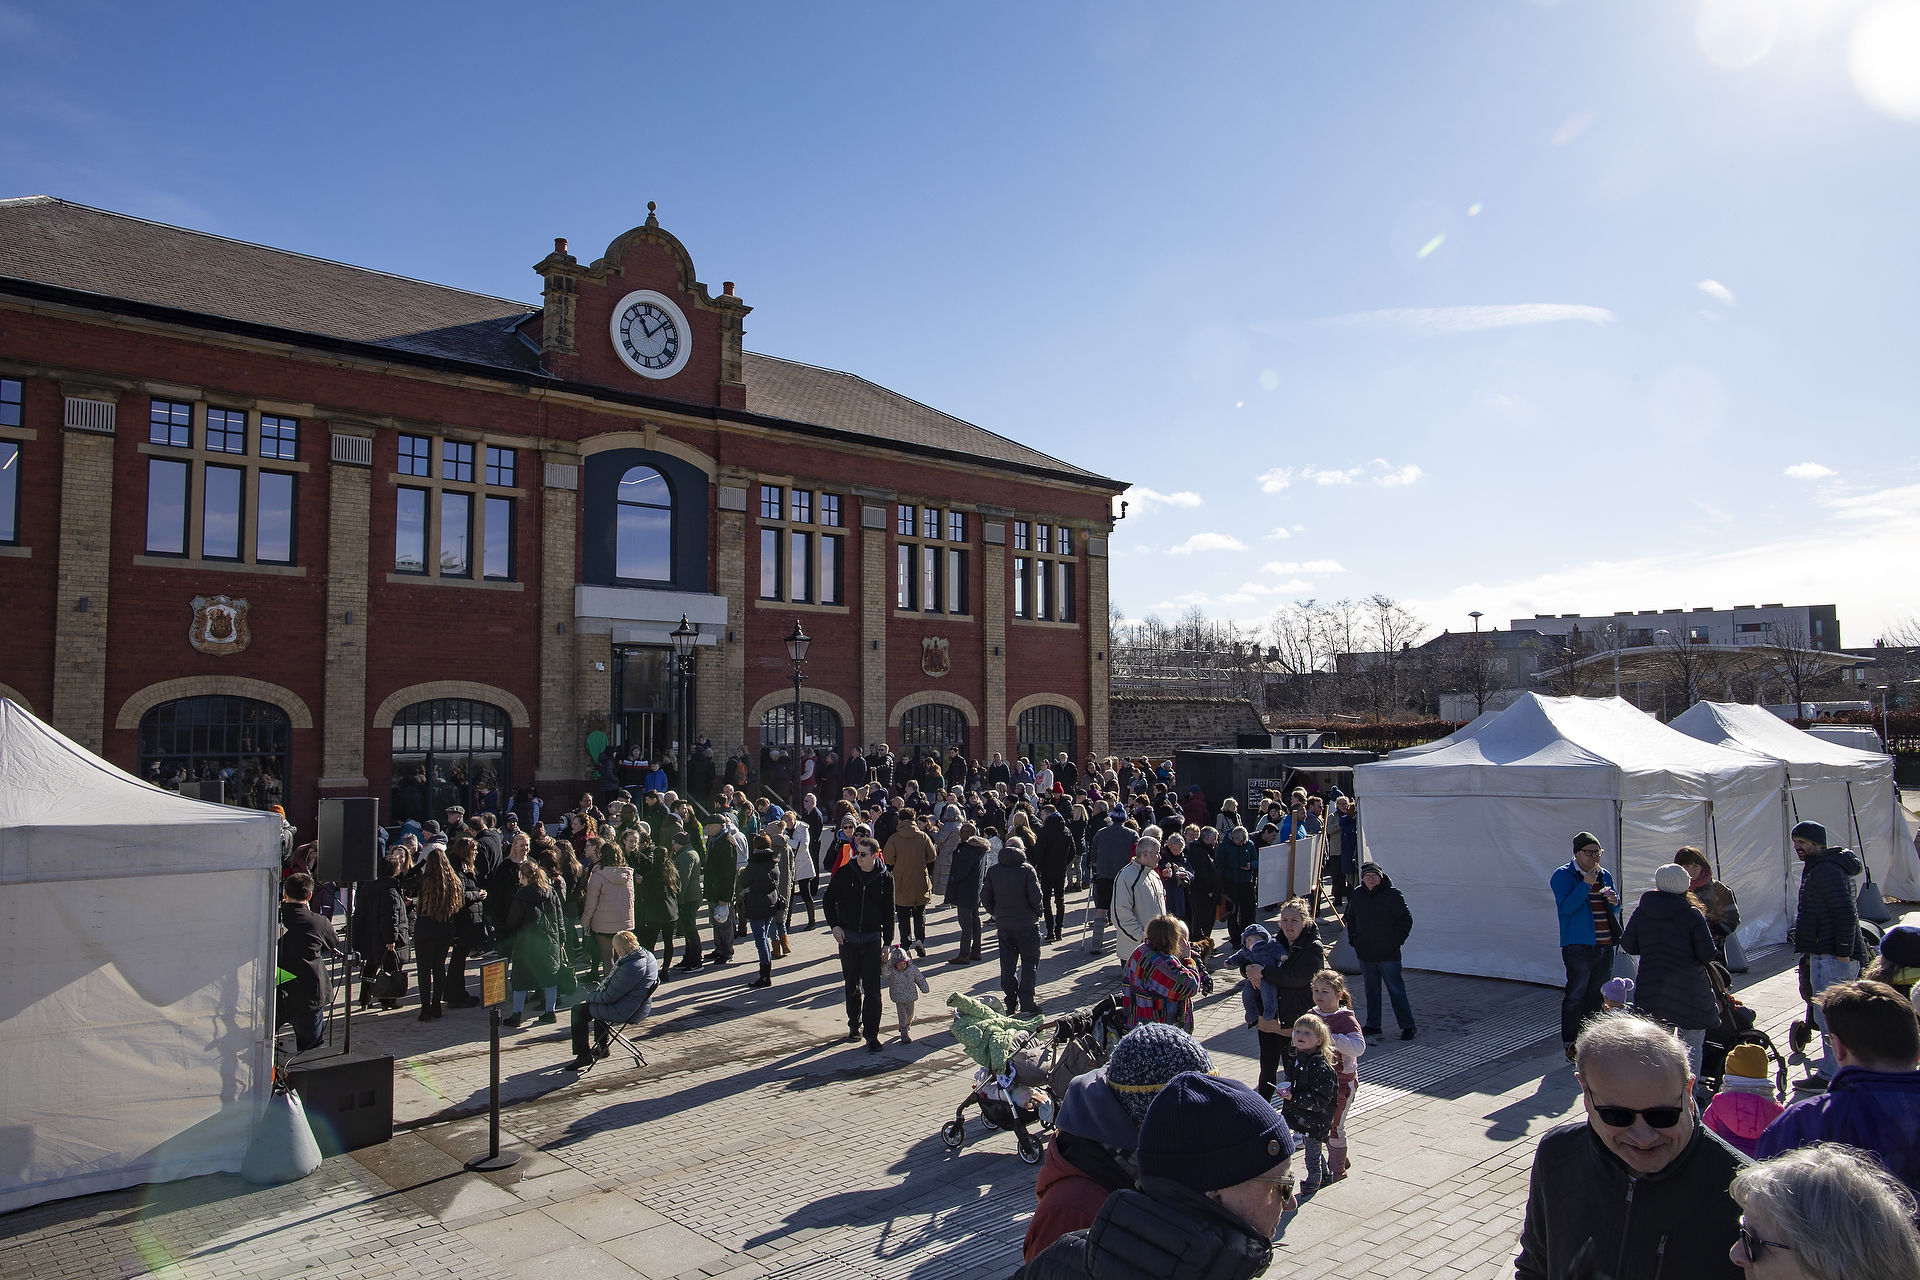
[(493, 982)]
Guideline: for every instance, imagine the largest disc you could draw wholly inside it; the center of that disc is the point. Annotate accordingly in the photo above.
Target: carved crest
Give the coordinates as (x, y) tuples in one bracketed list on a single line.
[(219, 625), (934, 659)]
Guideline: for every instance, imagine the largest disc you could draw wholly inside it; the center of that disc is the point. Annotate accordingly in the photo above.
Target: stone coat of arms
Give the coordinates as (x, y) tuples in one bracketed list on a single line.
[(219, 625), (934, 658)]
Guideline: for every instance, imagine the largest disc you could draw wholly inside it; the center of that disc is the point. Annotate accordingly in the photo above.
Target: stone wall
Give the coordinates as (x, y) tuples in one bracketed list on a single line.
[(1145, 725)]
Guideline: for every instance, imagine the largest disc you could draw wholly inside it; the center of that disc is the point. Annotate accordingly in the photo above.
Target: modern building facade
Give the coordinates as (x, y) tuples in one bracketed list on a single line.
[(1817, 626), (323, 531)]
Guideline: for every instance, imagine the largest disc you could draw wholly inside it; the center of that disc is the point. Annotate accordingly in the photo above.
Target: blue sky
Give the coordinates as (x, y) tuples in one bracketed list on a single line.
[(1504, 305)]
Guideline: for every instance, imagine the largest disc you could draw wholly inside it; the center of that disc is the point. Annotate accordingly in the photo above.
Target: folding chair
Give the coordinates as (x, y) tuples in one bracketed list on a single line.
[(619, 1035)]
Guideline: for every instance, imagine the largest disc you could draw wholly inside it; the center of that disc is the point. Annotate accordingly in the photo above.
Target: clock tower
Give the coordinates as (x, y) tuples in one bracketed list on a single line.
[(638, 320)]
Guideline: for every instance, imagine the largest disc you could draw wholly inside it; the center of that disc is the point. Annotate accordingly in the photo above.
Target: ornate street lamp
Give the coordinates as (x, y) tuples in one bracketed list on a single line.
[(797, 644), (684, 637)]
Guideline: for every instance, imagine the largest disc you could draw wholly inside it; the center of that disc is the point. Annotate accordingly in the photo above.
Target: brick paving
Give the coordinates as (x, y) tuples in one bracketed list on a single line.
[(755, 1143)]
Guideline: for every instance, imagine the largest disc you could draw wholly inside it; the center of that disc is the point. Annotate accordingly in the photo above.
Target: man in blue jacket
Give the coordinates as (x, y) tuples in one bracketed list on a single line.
[(1589, 931), (1873, 1100)]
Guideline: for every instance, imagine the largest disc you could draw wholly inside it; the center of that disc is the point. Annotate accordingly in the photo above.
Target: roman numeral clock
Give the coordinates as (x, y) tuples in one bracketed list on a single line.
[(650, 334)]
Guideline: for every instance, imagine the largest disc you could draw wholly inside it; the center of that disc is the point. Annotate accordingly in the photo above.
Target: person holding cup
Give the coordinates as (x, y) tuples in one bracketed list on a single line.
[(1590, 929)]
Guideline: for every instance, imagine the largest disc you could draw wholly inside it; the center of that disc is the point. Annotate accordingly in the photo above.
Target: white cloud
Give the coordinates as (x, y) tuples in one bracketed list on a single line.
[(1207, 542), (1315, 474), (1275, 480), (1279, 531), (1145, 499), (1294, 566), (1280, 566), (1404, 476), (1436, 321), (1323, 566), (1807, 471), (1714, 289)]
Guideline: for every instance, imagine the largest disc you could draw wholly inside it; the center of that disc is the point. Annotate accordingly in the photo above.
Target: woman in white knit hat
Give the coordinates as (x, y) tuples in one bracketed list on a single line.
[(1674, 944)]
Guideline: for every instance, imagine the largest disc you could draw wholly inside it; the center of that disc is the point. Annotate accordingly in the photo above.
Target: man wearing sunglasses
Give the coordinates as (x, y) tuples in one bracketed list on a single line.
[(1641, 1177)]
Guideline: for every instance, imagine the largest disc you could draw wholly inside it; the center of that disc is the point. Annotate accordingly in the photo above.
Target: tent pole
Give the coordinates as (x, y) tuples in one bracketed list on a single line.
[(346, 1017)]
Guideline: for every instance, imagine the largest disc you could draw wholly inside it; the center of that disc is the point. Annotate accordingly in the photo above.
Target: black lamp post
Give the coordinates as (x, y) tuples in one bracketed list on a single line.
[(797, 654), (1479, 668), (684, 637)]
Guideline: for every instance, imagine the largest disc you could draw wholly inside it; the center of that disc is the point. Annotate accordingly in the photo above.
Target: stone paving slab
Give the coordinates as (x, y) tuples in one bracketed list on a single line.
[(757, 1143)]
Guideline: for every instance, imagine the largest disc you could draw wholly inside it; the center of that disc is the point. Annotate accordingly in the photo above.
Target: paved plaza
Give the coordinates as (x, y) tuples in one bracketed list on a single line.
[(756, 1143)]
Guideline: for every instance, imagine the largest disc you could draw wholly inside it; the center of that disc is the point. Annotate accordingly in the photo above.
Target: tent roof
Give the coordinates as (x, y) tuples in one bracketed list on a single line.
[(1758, 731), (1466, 730), (66, 814), (1572, 747)]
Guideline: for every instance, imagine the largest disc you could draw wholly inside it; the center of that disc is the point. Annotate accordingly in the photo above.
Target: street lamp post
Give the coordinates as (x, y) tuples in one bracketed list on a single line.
[(1613, 642), (797, 654), (684, 637), (1479, 668)]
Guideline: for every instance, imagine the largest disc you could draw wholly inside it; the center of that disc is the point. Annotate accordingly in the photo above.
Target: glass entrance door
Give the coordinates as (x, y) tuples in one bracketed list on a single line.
[(646, 717)]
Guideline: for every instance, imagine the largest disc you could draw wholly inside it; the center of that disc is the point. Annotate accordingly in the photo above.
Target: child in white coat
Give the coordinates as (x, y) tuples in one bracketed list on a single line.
[(904, 982), (1335, 1007)]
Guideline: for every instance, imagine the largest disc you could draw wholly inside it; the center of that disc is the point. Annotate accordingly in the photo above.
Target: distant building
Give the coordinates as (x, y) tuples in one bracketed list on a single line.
[(1818, 625)]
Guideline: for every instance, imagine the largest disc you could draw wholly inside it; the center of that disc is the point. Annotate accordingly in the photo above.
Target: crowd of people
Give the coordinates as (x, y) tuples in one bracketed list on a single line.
[(1156, 1163)]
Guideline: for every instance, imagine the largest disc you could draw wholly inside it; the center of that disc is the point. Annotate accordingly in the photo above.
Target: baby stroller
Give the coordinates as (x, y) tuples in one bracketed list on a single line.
[(1010, 1084), (1737, 1027)]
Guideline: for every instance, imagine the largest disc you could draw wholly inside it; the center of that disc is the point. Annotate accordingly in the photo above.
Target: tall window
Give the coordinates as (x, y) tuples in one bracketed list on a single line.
[(1044, 732), (931, 572), (497, 556), (933, 729), (238, 741), (446, 752), (643, 532), (10, 492), (410, 531), (214, 501), (801, 561), (456, 533), (1043, 581), (458, 522)]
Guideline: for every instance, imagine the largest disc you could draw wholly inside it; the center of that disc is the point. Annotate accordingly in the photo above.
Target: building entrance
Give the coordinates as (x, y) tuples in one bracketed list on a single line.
[(646, 716)]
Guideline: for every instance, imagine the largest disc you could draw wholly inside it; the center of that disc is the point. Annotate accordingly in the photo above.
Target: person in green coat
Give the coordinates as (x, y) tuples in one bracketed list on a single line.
[(656, 895), (536, 931), (720, 872), (686, 863)]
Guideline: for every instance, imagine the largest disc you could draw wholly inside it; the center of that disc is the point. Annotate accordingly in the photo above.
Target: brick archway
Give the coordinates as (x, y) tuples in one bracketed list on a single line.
[(784, 698), (935, 697), (8, 691), (213, 687), (1032, 700), (400, 699)]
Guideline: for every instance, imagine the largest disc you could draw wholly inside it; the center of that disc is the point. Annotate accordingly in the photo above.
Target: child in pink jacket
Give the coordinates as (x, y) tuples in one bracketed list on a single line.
[(1745, 1105)]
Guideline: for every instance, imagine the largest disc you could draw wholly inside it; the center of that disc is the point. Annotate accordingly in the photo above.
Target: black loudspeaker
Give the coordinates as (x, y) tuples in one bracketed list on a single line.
[(348, 1099), (214, 791), (349, 840)]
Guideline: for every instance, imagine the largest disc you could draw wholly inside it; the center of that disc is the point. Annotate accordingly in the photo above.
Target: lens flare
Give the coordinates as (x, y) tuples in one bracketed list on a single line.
[(1269, 380), (1884, 56), (1473, 210), (1431, 245), (1735, 34)]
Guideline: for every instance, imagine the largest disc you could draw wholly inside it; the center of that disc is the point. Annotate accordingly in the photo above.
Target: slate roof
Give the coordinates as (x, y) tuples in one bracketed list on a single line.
[(57, 243)]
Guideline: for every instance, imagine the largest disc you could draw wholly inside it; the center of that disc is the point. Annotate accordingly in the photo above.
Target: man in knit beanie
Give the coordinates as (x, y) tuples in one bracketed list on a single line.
[(1214, 1183), (1091, 1152), (1826, 928)]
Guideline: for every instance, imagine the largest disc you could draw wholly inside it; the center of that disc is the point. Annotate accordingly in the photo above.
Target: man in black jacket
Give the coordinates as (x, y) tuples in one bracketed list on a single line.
[(1214, 1183), (1051, 860), (1641, 1177), (1012, 897), (1826, 927), (1378, 924), (305, 948), (859, 910)]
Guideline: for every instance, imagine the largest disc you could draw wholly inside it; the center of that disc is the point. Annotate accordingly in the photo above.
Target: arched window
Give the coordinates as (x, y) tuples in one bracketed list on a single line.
[(643, 537), (932, 727), (450, 751), (1044, 732), (236, 740), (819, 727)]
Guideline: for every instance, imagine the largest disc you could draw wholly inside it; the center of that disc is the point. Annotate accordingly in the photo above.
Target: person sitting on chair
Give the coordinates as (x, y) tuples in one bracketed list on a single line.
[(627, 990)]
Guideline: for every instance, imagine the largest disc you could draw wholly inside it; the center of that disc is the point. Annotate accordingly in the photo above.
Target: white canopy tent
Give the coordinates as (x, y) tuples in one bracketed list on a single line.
[(1471, 833), (1849, 792), (137, 939)]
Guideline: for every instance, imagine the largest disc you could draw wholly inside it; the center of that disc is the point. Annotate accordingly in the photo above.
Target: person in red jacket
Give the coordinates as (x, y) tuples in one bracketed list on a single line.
[(1091, 1153)]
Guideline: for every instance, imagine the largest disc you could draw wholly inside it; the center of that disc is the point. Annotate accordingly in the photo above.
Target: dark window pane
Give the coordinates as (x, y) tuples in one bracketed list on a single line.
[(499, 547), (646, 486), (410, 531), (770, 501), (830, 509), (956, 582), (802, 506), (906, 521), (1021, 530), (1020, 587), (1066, 592), (9, 491), (930, 522), (799, 566), (273, 528), (830, 570), (644, 543), (500, 467), (279, 438), (956, 526), (456, 460), (769, 564), (903, 579), (413, 455), (456, 530), (166, 507), (226, 431), (170, 423), (236, 741), (220, 513), (9, 402), (930, 578)]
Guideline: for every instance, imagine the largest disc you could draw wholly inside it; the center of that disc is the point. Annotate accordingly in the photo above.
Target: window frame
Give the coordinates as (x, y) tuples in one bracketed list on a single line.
[(415, 464), (832, 588), (426, 527), (619, 503), (285, 438), (170, 424), (293, 515), (830, 511), (801, 516), (771, 566), (512, 507), (501, 462), (1043, 572), (154, 464), (10, 490), (440, 523), (13, 407), (773, 502), (239, 512), (226, 431), (421, 464)]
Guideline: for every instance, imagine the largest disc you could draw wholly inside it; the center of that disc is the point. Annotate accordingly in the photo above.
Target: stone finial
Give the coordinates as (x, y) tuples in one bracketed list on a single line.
[(651, 220)]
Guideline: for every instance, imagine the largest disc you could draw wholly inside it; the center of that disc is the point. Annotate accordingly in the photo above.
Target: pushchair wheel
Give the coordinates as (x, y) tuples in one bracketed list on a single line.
[(954, 1133), (1799, 1036), (1030, 1150), (986, 1118)]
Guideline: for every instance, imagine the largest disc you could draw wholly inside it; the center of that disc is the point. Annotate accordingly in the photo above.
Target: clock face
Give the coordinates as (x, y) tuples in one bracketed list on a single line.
[(650, 334)]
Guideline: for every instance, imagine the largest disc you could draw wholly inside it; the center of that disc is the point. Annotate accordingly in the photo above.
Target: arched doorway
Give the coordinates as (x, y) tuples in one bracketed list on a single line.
[(820, 730), (240, 741), (931, 728), (1044, 732), (450, 751)]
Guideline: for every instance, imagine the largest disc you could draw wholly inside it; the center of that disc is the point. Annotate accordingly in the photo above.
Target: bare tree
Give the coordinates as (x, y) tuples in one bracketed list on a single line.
[(1686, 668), (1798, 664), (1562, 670), (1392, 629)]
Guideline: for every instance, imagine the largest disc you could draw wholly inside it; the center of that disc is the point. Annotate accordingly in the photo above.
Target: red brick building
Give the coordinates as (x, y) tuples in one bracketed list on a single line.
[(321, 530)]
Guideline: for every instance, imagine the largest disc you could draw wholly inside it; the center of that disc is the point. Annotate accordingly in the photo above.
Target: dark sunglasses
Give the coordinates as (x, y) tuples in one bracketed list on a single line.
[(1623, 1117), (1750, 1241)]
